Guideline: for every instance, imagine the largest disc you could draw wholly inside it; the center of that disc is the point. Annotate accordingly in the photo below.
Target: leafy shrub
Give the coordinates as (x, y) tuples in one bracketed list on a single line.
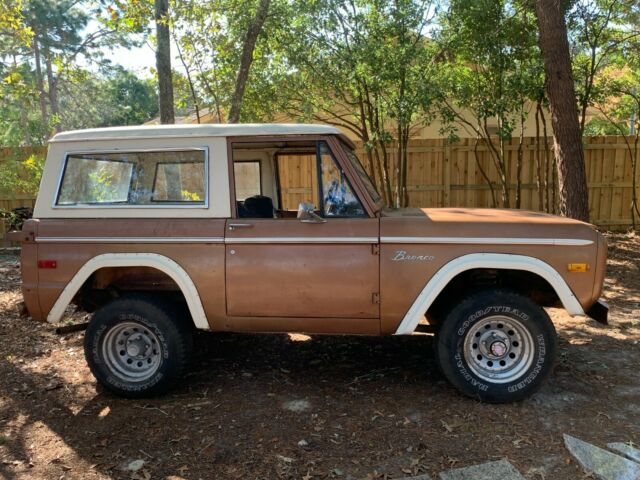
[(20, 175)]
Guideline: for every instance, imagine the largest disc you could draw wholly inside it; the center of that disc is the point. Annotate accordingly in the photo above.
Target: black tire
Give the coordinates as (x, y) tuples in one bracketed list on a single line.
[(141, 324), (509, 341)]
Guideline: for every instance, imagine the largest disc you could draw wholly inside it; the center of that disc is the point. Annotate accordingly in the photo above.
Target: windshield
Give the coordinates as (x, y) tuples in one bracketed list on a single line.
[(362, 173)]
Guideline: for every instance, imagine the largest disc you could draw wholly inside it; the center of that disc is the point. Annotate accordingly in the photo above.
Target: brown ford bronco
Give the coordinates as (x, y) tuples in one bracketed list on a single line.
[(278, 228)]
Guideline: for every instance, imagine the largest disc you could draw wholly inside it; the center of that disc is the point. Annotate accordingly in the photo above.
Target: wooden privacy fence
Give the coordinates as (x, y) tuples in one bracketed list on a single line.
[(442, 174)]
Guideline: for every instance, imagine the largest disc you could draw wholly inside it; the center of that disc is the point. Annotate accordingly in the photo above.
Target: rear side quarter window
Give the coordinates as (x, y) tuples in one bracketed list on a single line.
[(135, 178)]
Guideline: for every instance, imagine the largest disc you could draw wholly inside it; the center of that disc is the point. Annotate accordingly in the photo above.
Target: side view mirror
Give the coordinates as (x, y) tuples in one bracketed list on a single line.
[(307, 215)]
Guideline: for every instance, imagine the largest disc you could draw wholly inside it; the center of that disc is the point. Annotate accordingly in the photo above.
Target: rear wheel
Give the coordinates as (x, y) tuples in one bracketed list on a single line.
[(137, 346), (497, 346)]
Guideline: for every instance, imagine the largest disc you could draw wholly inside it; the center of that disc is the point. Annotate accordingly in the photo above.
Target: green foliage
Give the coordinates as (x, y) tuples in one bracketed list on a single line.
[(20, 121), (491, 77), (129, 16), (100, 185), (210, 36), (601, 126), (43, 67), (118, 97), (20, 175), (615, 97), (604, 34), (13, 29), (493, 66)]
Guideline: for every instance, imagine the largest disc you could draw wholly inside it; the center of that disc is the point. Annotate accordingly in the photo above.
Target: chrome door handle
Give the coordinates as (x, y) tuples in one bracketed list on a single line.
[(233, 226), (314, 220)]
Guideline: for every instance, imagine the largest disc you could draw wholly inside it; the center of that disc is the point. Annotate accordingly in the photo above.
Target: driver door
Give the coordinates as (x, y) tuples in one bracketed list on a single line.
[(320, 275)]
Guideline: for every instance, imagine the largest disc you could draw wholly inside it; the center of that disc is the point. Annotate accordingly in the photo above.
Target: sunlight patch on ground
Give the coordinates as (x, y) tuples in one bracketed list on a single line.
[(299, 337)]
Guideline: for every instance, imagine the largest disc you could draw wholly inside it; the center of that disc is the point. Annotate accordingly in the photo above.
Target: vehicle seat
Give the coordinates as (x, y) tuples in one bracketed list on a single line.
[(259, 206), (242, 212)]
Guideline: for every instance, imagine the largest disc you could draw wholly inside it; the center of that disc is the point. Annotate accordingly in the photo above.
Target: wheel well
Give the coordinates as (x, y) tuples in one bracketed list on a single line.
[(521, 281), (108, 283)]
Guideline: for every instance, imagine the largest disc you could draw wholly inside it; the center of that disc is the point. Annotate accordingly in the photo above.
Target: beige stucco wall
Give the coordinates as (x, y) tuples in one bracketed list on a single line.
[(432, 130)]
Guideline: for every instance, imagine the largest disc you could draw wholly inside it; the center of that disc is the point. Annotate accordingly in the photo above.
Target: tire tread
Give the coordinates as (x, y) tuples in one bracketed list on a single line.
[(445, 343), (154, 308)]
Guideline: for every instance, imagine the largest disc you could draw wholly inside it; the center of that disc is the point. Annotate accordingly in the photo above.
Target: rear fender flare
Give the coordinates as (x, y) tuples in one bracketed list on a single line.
[(153, 260)]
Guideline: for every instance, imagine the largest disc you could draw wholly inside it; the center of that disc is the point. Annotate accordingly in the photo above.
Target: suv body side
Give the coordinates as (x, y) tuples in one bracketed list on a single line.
[(284, 275)]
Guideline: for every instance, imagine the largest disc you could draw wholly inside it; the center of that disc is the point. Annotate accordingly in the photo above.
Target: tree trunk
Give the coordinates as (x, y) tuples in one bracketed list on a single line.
[(377, 130), (366, 140), (192, 88), (405, 163), (497, 156), (42, 95), (379, 148), (494, 200), (539, 161), (247, 59), (549, 185), (24, 119), (574, 197), (397, 201), (634, 181), (53, 89), (163, 62), (205, 82), (519, 159)]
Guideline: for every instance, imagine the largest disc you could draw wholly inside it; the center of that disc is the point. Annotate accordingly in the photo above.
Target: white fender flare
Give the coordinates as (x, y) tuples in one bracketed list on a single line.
[(159, 262), (486, 260)]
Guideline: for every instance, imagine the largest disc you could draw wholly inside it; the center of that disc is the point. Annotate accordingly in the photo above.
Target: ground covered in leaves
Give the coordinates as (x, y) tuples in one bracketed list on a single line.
[(291, 406)]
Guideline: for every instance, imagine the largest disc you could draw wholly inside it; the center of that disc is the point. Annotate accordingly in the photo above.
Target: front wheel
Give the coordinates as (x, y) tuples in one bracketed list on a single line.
[(137, 346), (496, 346)]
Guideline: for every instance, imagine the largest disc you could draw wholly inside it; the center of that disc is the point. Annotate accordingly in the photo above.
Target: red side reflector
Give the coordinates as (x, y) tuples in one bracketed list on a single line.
[(47, 264)]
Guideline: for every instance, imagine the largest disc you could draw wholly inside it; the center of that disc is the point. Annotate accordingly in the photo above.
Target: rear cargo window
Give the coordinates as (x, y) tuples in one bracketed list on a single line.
[(134, 179)]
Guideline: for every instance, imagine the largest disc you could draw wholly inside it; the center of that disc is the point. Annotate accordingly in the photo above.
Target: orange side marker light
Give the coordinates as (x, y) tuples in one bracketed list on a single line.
[(578, 267)]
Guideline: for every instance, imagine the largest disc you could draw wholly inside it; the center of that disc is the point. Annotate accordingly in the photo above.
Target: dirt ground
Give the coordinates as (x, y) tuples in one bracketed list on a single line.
[(292, 406)]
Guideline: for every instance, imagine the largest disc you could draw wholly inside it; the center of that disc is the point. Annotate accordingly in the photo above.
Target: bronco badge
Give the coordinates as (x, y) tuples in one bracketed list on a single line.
[(402, 256)]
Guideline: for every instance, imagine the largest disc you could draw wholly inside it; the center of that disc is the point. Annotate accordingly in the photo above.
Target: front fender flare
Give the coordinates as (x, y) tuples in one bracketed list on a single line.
[(486, 260)]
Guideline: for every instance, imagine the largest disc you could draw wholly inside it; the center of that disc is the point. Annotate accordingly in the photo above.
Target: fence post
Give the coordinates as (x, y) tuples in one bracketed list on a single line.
[(446, 170)]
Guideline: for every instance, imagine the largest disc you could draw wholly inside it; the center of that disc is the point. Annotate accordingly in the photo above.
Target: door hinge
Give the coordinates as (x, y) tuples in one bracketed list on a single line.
[(375, 298), (375, 249)]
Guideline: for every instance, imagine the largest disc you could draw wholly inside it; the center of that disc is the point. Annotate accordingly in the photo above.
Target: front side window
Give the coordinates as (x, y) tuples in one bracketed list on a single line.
[(296, 173), (338, 197), (134, 178)]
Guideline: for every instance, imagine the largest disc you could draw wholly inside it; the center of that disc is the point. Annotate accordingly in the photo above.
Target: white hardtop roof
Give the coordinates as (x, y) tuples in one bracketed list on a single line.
[(206, 130)]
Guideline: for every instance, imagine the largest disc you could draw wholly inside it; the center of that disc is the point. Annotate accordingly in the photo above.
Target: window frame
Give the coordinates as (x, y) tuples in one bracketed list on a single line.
[(116, 206), (259, 175), (333, 141)]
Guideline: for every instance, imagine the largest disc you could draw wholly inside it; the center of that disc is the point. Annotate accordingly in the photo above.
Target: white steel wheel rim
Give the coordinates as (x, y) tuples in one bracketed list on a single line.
[(499, 349), (131, 352)]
